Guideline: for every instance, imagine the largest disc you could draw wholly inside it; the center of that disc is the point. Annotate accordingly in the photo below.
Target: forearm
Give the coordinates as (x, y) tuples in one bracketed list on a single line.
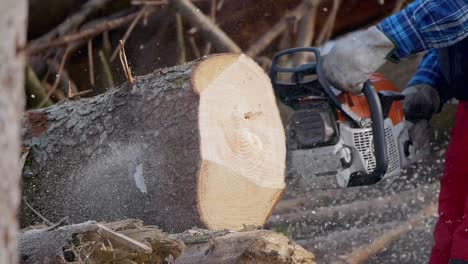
[(429, 73), (426, 24)]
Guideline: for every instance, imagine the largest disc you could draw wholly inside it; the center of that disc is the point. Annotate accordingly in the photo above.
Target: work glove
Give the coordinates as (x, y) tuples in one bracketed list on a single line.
[(355, 57), (421, 103)]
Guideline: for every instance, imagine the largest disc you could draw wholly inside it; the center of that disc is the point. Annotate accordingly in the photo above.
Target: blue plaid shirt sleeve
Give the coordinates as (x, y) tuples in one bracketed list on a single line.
[(429, 72), (426, 24)]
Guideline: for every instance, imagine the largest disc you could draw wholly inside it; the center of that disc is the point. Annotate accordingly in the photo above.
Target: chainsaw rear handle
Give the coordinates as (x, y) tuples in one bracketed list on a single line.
[(380, 146)]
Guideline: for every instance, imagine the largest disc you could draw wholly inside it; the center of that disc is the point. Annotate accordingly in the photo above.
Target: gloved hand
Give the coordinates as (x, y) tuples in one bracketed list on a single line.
[(355, 57), (421, 103)]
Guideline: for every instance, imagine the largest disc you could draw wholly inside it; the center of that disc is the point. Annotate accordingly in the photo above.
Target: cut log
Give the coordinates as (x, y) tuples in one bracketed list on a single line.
[(201, 144), (129, 241)]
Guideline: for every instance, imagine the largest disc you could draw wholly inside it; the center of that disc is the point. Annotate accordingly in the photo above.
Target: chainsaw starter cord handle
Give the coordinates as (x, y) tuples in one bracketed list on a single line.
[(380, 146)]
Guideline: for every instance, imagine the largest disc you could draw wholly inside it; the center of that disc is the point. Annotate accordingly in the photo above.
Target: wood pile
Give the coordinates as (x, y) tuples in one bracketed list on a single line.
[(130, 241)]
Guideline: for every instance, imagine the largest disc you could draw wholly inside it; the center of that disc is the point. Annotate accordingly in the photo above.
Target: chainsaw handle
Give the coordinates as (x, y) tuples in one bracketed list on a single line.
[(380, 146), (275, 69), (309, 68)]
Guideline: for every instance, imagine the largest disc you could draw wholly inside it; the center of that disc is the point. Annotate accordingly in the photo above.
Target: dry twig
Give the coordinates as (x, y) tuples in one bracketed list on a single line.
[(123, 240), (90, 62), (306, 29), (329, 25), (129, 30), (106, 42), (35, 89), (106, 70), (155, 3), (180, 39), (37, 47), (71, 23), (37, 213), (207, 28), (193, 44), (124, 62), (363, 253), (213, 9), (58, 77), (275, 31)]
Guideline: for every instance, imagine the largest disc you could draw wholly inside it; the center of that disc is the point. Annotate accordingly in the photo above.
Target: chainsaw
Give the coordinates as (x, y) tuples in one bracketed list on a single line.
[(336, 139)]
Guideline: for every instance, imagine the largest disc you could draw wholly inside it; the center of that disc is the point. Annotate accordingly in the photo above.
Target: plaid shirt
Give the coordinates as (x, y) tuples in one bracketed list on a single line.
[(426, 25)]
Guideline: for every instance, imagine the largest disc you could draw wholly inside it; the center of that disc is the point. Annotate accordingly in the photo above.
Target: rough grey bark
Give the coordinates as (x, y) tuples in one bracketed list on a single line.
[(131, 152), (13, 15)]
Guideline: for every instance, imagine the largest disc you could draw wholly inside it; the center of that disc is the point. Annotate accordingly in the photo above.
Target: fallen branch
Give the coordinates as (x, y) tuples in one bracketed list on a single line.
[(37, 47), (306, 30), (364, 252), (319, 221), (129, 31), (180, 39), (329, 25), (37, 213), (265, 40), (91, 62), (207, 28), (35, 91), (72, 22), (129, 241), (109, 79), (57, 79)]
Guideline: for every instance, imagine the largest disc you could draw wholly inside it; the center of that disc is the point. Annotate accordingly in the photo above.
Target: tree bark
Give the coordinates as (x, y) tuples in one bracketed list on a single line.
[(199, 144), (13, 16)]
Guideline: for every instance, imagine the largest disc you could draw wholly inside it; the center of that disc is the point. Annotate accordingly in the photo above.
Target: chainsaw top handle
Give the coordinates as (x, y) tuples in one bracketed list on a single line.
[(299, 87)]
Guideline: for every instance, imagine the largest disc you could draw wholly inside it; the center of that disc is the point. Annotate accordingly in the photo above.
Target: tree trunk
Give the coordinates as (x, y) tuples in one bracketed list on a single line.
[(13, 31), (199, 144)]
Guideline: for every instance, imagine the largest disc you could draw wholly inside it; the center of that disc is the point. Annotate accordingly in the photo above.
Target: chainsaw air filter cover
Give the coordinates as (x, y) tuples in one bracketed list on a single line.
[(312, 125)]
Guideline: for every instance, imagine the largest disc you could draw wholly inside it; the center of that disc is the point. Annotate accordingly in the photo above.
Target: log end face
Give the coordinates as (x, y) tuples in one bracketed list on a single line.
[(242, 143)]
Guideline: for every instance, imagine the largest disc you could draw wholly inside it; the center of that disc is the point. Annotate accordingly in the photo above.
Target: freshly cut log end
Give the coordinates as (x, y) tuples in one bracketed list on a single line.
[(242, 150), (199, 144)]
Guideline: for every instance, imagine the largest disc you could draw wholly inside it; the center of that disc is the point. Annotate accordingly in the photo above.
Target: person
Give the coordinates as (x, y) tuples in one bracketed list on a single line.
[(439, 28)]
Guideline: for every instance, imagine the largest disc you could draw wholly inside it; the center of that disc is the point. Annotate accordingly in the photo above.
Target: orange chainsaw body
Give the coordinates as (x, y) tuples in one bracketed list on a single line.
[(359, 105)]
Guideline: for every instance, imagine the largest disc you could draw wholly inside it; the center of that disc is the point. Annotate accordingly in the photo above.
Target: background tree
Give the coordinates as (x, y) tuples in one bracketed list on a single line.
[(13, 23)]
